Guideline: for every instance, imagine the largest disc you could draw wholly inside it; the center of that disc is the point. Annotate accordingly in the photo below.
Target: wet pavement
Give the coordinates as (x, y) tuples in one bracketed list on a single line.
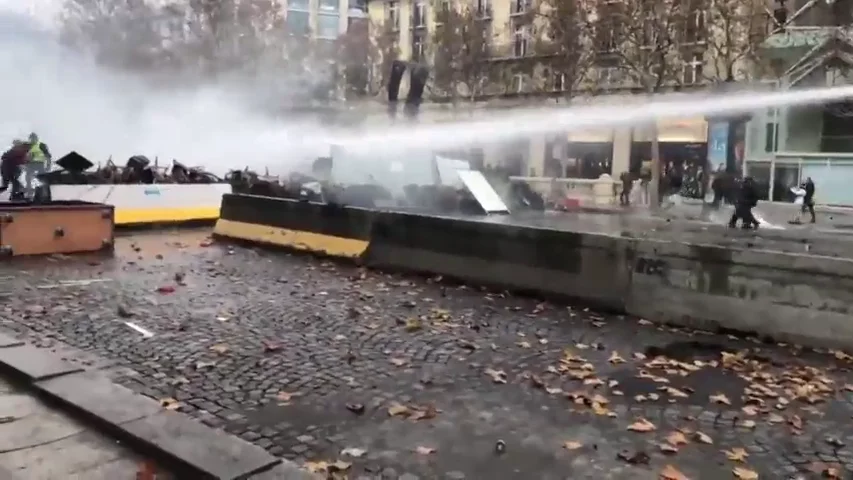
[(38, 442), (385, 376)]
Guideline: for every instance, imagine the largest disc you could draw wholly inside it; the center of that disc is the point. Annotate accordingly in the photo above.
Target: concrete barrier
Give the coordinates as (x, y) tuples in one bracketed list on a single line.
[(148, 204), (789, 297), (590, 267), (319, 228)]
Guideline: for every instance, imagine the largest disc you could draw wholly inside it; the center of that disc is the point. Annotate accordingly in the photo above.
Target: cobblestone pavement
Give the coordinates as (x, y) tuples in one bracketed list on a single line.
[(404, 377)]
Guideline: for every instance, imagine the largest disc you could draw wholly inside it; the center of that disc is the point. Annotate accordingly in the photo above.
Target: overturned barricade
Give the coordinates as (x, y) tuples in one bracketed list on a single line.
[(141, 193)]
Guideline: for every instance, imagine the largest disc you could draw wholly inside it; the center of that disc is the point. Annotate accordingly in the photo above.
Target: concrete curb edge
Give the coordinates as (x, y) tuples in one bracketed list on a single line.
[(177, 441)]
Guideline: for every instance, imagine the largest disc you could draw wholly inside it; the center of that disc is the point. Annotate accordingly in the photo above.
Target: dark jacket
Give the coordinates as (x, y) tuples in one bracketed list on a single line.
[(16, 155), (748, 194), (808, 186)]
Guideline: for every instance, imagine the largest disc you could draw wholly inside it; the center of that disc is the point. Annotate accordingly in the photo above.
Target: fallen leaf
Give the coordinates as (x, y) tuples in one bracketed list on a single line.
[(413, 325), (744, 474), (425, 413), (615, 358), (638, 457), (166, 289), (316, 467), (677, 439), (220, 348), (353, 452), (169, 403), (703, 438), (721, 399), (356, 408), (747, 423), (523, 344), (674, 392), (284, 397), (425, 450), (668, 448), (671, 473), (339, 466), (642, 425), (572, 445), (398, 410), (498, 376), (399, 362), (736, 454)]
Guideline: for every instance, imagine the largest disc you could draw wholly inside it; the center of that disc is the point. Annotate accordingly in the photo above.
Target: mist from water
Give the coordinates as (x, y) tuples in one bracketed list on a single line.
[(75, 104)]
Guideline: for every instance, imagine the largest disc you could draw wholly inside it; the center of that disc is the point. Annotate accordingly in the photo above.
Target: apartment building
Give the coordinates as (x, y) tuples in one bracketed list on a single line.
[(322, 19), (410, 24), (810, 46)]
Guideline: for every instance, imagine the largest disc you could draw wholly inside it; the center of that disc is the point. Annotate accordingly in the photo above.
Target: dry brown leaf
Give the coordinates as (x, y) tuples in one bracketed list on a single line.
[(642, 426), (676, 439), (572, 445), (668, 448), (747, 423), (316, 467), (674, 392), (703, 438), (750, 410), (424, 450), (398, 410), (744, 473), (498, 376), (523, 344), (284, 397), (220, 348), (615, 358), (339, 466), (721, 399), (736, 454), (671, 473), (413, 324), (399, 362), (170, 403)]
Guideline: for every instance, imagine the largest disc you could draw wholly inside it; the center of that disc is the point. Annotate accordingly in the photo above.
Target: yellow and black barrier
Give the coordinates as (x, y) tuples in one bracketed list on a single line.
[(151, 204), (311, 227)]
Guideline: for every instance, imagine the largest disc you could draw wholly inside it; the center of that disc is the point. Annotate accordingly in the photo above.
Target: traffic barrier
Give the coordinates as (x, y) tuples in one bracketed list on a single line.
[(569, 264), (784, 296), (150, 204), (313, 227)]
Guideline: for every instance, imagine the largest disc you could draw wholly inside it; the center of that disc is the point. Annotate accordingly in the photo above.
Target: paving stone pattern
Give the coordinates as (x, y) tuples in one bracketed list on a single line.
[(309, 359)]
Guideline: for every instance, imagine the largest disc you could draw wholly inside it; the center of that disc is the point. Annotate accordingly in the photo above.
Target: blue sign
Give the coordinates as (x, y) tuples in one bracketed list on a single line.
[(718, 144), (152, 191)]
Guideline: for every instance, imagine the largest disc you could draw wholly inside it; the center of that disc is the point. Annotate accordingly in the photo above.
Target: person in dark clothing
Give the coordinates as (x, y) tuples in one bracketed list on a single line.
[(808, 199), (11, 164), (747, 199), (627, 183)]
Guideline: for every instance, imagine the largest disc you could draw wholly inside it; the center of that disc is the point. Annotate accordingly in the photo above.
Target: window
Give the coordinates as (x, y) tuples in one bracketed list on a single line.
[(518, 83), (418, 45), (298, 5), (694, 29), (608, 76), (520, 38), (419, 14), (518, 7), (771, 137), (558, 81), (298, 22), (693, 70), (606, 36), (650, 30), (392, 15), (328, 5), (328, 26), (484, 8)]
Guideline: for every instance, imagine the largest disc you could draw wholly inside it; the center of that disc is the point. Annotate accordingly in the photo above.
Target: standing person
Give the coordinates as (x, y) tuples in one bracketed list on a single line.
[(747, 199), (10, 168), (38, 161), (808, 199), (627, 183)]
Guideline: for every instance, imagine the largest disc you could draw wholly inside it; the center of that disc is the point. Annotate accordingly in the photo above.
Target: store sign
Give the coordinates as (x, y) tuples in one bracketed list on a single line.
[(718, 142)]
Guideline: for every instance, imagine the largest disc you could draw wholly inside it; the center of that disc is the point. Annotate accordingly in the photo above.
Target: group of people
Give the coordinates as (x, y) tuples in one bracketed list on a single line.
[(31, 157)]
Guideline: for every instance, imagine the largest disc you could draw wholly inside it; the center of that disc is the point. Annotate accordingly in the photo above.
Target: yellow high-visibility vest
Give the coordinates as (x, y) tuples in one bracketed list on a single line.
[(36, 155)]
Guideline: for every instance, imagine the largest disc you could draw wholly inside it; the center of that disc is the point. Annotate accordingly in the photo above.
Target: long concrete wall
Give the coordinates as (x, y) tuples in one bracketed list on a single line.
[(788, 297)]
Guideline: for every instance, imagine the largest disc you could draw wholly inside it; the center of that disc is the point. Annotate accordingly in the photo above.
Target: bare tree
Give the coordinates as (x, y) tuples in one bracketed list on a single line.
[(383, 49), (644, 41), (563, 47), (733, 31), (462, 65)]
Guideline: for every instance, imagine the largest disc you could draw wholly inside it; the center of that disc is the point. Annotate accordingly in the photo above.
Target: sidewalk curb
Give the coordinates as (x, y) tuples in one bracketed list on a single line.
[(173, 439)]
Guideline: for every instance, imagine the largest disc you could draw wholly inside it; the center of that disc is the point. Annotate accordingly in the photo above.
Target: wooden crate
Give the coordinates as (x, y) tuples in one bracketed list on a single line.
[(55, 227)]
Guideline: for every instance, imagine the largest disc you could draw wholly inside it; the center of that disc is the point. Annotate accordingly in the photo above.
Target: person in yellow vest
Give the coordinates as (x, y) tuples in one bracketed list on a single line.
[(38, 161)]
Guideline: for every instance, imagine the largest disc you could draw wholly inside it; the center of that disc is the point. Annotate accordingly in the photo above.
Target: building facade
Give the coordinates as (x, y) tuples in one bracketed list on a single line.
[(810, 46), (410, 26)]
